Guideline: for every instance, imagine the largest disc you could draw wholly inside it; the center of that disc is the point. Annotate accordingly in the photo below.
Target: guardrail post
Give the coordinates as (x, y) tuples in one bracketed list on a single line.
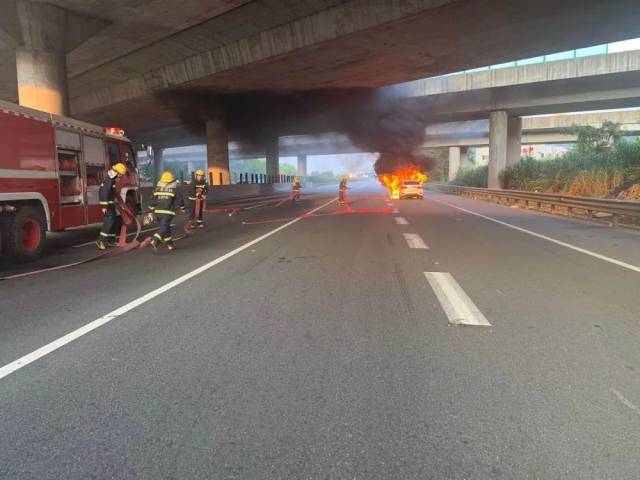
[(614, 221)]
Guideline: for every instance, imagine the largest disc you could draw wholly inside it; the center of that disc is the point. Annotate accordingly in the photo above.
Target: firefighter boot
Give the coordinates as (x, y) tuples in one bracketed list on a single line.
[(170, 245), (155, 242), (199, 224), (101, 245)]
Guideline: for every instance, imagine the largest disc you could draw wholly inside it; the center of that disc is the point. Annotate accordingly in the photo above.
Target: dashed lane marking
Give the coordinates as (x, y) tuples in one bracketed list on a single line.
[(401, 221), (599, 256), (625, 401), (457, 305), (414, 240), (89, 327)]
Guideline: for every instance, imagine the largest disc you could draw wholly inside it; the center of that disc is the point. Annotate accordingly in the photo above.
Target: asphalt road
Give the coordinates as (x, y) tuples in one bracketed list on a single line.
[(330, 349)]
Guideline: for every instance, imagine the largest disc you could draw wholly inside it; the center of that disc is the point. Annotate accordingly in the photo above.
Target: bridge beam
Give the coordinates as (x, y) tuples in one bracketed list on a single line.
[(158, 163), (514, 140), (272, 154), (218, 151), (302, 166), (505, 137), (41, 62)]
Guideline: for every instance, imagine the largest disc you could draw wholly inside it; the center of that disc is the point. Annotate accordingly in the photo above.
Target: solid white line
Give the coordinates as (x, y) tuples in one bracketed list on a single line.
[(70, 337), (544, 237), (401, 221), (414, 240), (457, 305)]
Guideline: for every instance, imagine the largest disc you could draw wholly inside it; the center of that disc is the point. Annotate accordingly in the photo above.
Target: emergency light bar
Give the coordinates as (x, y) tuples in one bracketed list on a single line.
[(114, 131)]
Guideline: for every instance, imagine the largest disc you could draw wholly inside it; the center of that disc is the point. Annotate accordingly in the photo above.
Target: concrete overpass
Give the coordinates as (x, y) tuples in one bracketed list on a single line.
[(458, 137), (104, 62), (597, 82)]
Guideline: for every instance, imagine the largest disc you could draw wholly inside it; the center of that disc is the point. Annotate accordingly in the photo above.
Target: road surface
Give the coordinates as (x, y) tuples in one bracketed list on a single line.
[(403, 340)]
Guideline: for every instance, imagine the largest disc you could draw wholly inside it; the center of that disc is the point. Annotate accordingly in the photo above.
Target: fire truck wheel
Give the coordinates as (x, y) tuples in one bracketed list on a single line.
[(24, 235)]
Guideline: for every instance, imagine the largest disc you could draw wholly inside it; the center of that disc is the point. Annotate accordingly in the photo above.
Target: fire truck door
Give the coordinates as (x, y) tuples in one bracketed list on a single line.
[(95, 166), (70, 177)]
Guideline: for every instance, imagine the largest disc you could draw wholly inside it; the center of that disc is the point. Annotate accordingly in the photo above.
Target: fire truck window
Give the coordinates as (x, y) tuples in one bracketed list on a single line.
[(114, 153), (131, 158)]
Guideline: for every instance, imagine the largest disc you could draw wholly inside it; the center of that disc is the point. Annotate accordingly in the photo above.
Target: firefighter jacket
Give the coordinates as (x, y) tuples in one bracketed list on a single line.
[(166, 199), (107, 193), (198, 189)]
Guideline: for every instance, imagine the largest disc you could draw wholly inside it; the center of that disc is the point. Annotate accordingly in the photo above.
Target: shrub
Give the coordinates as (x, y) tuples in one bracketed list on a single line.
[(472, 177)]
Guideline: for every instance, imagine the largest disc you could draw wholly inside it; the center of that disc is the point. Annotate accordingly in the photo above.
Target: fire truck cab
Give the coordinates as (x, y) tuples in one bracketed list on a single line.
[(51, 168)]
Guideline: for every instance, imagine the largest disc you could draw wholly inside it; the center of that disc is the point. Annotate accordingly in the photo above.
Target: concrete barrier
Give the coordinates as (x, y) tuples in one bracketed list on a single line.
[(227, 192)]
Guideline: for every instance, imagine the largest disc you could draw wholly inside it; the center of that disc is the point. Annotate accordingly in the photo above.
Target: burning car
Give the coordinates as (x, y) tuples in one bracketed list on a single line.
[(404, 183), (411, 189)]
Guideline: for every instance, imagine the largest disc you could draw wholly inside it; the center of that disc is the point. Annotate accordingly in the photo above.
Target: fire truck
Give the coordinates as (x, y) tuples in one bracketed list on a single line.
[(51, 168)]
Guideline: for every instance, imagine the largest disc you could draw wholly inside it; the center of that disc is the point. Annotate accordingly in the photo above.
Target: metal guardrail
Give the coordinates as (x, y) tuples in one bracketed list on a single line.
[(627, 211)]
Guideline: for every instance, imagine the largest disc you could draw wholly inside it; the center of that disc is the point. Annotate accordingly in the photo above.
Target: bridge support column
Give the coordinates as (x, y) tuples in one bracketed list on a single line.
[(498, 126), (218, 151), (41, 63), (272, 154), (158, 164), (302, 166), (454, 162), (514, 140)]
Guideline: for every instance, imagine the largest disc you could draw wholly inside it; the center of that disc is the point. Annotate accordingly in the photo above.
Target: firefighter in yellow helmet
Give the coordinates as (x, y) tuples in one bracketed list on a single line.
[(295, 189), (342, 191), (166, 198), (197, 197), (111, 221)]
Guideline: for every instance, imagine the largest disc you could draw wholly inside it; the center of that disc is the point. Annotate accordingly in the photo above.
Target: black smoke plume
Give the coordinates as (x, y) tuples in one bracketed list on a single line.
[(375, 122)]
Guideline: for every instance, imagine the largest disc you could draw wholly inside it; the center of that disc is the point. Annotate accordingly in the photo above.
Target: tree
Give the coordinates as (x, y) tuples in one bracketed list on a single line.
[(597, 139)]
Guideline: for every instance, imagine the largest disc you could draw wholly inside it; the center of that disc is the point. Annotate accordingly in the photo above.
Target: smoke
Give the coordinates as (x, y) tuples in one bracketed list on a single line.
[(374, 121)]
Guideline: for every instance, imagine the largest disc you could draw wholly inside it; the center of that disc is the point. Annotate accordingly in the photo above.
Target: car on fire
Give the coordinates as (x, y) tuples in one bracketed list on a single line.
[(411, 189)]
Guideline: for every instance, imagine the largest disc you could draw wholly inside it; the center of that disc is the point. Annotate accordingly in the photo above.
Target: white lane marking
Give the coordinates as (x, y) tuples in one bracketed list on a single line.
[(401, 221), (626, 402), (414, 240), (89, 327), (544, 237), (457, 305)]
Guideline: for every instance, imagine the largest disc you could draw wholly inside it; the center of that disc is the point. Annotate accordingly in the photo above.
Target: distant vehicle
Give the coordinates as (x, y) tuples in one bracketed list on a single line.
[(411, 189), (51, 168)]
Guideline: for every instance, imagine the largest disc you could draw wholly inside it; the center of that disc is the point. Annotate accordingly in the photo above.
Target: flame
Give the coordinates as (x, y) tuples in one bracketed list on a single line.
[(392, 181)]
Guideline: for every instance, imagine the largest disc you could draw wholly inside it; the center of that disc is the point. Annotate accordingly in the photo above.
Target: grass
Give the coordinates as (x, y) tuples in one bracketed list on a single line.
[(593, 170)]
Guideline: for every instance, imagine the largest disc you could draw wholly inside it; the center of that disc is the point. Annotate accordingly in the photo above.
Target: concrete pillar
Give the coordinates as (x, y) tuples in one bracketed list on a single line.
[(497, 146), (272, 154), (158, 164), (465, 161), (218, 151), (514, 140), (302, 166), (41, 62), (454, 162)]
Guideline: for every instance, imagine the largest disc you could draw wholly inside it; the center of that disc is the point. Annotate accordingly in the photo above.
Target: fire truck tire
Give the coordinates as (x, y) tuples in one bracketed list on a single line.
[(23, 235)]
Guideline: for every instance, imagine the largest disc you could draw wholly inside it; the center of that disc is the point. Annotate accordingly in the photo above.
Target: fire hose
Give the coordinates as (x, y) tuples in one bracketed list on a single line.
[(128, 217)]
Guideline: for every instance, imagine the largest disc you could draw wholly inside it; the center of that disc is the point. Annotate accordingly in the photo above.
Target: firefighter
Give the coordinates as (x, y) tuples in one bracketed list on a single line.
[(295, 189), (342, 192), (166, 198), (112, 221), (197, 197)]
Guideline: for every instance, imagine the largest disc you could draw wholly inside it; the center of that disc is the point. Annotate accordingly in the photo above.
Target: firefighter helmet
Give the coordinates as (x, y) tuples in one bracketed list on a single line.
[(120, 168), (167, 177), (199, 173)]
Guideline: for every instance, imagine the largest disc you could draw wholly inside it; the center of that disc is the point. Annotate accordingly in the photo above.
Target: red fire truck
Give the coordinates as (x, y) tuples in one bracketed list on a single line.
[(51, 168)]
